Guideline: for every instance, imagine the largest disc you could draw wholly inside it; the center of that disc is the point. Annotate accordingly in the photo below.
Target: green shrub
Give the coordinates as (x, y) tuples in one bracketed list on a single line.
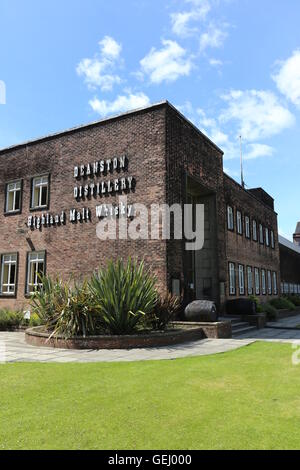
[(282, 304), (295, 299), (166, 310), (10, 320), (64, 310), (123, 294), (259, 307), (270, 311)]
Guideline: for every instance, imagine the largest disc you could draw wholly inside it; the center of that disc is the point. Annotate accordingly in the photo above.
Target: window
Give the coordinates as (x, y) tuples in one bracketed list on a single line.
[(263, 282), (35, 269), (269, 283), (230, 220), (8, 274), (13, 197), (286, 288), (272, 239), (275, 290), (257, 281), (232, 278), (254, 230), (267, 237), (247, 227), (241, 279), (40, 192), (261, 234), (250, 280), (239, 222)]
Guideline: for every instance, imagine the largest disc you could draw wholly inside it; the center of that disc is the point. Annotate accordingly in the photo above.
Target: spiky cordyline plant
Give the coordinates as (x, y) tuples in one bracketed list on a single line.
[(124, 293), (63, 309)]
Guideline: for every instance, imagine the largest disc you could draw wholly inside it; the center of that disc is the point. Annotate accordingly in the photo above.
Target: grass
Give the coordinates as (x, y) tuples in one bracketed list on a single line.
[(246, 399)]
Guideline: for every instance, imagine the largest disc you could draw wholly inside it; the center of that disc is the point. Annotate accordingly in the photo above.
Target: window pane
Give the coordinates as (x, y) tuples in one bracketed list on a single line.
[(44, 196), (18, 201), (12, 273), (36, 197), (5, 274), (10, 201)]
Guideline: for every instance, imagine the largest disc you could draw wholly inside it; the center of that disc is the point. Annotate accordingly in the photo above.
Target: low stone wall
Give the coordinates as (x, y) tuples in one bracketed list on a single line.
[(287, 313), (35, 337), (259, 320), (218, 330)]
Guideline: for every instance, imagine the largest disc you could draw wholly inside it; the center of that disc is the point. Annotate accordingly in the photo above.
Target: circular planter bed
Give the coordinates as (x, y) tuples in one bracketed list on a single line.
[(38, 337)]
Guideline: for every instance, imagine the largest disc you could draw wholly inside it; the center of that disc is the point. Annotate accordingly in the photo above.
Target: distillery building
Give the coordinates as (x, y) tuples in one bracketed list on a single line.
[(56, 189)]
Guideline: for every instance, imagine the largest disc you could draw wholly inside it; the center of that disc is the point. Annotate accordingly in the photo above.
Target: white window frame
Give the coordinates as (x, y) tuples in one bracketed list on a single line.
[(261, 234), (254, 230), (33, 260), (241, 279), (269, 279), (275, 288), (232, 280), (263, 282), (257, 281), (272, 239), (230, 218), (40, 182), (247, 227), (267, 236), (239, 222), (250, 280), (9, 260), (13, 187)]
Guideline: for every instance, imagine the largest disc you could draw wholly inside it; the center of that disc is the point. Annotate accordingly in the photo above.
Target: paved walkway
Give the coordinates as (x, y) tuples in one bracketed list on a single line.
[(14, 349)]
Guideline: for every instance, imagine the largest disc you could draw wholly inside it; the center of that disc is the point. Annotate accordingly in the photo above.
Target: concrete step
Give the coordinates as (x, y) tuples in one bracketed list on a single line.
[(243, 331), (239, 325)]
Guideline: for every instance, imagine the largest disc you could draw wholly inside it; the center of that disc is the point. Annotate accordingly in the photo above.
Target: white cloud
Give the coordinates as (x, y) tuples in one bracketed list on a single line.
[(257, 151), (166, 64), (110, 48), (214, 37), (99, 71), (288, 78), (215, 62), (181, 20), (121, 104), (259, 114)]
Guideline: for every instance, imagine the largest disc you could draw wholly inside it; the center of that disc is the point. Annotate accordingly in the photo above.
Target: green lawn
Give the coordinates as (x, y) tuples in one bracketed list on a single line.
[(245, 399)]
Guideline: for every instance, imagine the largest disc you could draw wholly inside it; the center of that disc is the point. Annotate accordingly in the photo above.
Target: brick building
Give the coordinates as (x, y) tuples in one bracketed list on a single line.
[(290, 263), (54, 191)]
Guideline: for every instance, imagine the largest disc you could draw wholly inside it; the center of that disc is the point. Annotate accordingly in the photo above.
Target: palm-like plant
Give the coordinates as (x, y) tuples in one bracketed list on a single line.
[(123, 294)]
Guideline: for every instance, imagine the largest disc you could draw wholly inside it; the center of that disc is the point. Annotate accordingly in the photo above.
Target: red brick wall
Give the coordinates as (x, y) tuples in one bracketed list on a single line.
[(75, 249), (241, 250)]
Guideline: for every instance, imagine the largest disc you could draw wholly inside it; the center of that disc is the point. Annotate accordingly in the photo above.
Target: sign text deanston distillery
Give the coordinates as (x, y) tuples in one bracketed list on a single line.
[(94, 189)]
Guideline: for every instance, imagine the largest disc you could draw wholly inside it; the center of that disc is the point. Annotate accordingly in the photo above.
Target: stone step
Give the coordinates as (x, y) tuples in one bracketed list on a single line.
[(239, 325), (243, 331)]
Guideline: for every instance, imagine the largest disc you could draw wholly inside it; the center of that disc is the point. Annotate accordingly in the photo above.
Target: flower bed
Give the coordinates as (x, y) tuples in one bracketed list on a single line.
[(38, 337)]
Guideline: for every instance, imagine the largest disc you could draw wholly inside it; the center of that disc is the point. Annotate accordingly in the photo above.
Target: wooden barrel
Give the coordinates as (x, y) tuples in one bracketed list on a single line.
[(201, 311)]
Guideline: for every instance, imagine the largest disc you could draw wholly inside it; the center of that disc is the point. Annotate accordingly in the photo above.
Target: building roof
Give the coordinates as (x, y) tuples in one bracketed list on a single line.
[(288, 244), (108, 119), (297, 232)]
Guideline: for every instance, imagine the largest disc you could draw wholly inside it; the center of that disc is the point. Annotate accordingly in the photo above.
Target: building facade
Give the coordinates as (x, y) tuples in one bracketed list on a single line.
[(54, 191)]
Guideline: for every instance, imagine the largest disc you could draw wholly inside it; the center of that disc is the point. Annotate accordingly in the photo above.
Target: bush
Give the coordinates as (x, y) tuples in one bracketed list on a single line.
[(270, 311), (295, 299), (64, 310), (259, 307), (166, 310), (282, 304), (123, 294), (10, 320)]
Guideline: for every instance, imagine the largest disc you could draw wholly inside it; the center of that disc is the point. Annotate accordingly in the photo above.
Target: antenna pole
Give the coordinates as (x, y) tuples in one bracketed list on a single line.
[(242, 168)]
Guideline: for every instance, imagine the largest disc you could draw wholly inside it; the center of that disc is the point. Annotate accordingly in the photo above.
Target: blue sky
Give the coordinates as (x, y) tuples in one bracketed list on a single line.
[(231, 66)]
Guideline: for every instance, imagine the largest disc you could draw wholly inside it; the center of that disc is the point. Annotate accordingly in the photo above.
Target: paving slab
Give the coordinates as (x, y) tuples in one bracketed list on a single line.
[(15, 349)]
